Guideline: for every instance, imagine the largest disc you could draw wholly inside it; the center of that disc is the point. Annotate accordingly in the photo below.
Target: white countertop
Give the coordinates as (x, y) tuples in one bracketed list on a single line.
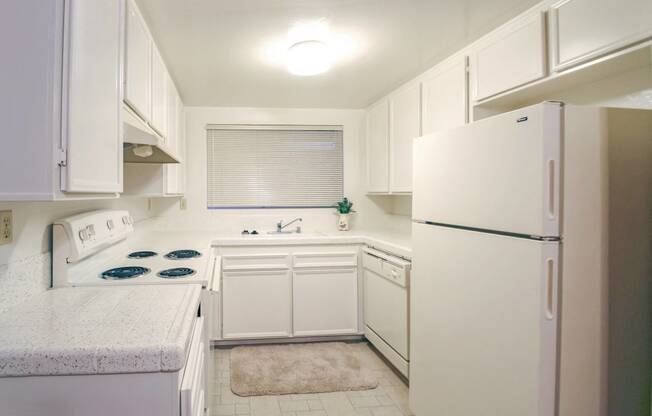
[(99, 330), (393, 242)]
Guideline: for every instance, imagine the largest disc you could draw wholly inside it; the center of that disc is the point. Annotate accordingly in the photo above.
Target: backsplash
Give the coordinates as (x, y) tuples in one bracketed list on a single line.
[(25, 263), (24, 277)]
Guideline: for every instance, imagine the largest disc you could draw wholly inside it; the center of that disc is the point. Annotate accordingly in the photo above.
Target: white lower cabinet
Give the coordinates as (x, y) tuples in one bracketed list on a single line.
[(325, 301), (256, 304), (164, 393), (284, 291)]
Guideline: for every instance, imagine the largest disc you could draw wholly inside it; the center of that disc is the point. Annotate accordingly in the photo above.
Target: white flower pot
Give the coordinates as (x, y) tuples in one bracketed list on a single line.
[(343, 222)]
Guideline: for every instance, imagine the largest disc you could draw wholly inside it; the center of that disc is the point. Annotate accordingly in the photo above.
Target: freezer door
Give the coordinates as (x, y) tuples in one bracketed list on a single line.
[(483, 324), (501, 173)]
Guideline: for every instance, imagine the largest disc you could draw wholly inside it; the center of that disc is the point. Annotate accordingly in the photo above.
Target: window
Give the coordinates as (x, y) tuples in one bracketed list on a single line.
[(274, 167)]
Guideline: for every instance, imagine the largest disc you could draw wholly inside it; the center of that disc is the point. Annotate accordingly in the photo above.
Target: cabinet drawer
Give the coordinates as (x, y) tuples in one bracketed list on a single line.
[(256, 261), (585, 29), (511, 59), (302, 260)]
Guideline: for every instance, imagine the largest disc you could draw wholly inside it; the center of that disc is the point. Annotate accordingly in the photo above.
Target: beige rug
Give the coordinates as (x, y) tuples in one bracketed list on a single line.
[(298, 368)]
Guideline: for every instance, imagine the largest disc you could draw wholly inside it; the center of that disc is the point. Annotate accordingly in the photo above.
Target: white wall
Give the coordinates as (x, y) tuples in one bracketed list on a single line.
[(371, 212)]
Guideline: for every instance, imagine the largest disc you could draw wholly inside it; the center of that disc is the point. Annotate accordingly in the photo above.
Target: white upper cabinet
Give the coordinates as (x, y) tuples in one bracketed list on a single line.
[(405, 126), (173, 142), (444, 97), (138, 63), (378, 147), (62, 94), (150, 91), (181, 149), (584, 29), (160, 95), (92, 89), (513, 56), (161, 180)]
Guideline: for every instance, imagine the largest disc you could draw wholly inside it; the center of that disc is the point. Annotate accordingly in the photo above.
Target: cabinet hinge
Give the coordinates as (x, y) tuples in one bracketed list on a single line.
[(62, 160)]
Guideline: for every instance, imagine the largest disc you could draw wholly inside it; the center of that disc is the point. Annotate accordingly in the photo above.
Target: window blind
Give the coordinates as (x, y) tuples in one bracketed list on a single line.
[(274, 167)]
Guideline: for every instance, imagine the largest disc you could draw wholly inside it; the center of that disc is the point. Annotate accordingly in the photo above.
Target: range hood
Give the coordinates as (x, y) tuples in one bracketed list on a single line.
[(141, 143)]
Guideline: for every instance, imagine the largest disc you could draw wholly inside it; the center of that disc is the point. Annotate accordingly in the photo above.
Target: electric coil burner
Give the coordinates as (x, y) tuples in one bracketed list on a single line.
[(182, 254), (142, 254), (176, 273), (120, 273)]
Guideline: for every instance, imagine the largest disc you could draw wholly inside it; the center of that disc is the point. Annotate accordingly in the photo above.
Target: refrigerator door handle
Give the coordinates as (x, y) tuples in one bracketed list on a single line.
[(551, 289), (551, 188)]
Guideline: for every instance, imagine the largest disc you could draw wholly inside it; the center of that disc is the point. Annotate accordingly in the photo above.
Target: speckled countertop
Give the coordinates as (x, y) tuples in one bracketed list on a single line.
[(99, 330), (392, 242)]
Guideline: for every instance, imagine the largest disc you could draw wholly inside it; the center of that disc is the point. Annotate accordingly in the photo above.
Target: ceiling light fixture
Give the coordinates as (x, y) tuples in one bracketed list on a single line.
[(309, 57)]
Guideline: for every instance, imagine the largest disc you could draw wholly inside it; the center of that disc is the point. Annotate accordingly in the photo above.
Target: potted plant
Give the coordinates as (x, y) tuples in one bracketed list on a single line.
[(344, 211)]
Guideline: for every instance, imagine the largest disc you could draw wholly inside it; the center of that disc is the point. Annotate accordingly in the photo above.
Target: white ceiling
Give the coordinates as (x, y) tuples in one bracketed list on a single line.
[(216, 49)]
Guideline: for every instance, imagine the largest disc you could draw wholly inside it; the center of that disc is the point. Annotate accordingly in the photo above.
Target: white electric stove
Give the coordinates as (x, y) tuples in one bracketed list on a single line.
[(98, 248)]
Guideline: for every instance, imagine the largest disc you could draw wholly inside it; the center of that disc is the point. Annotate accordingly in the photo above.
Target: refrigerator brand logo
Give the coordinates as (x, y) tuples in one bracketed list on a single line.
[(522, 119)]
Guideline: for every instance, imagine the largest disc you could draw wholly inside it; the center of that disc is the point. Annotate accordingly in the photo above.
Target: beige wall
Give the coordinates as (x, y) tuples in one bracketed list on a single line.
[(32, 220), (25, 263), (371, 212)]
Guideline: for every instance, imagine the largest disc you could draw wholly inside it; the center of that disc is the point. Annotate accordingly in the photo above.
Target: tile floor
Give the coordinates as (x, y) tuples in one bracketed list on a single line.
[(390, 398)]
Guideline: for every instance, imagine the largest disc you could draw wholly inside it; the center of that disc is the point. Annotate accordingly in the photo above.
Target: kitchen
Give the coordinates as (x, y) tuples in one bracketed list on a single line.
[(168, 227)]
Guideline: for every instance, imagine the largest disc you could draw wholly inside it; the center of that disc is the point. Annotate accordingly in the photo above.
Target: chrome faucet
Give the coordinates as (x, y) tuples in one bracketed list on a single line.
[(280, 226)]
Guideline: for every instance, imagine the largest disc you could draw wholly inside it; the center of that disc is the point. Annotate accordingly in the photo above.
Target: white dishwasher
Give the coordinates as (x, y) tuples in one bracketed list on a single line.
[(386, 294)]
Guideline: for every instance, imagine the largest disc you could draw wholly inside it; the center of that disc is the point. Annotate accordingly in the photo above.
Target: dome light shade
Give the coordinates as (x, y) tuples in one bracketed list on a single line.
[(310, 57)]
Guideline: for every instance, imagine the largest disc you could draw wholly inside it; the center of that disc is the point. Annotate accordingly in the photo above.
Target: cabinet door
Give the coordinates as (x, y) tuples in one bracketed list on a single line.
[(378, 147), (181, 148), (584, 29), (405, 126), (92, 129), (138, 64), (256, 304), (325, 301), (511, 58), (173, 109), (160, 96), (444, 98)]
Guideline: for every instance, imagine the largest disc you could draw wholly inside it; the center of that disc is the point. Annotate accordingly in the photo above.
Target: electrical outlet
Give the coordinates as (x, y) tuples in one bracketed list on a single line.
[(6, 227), (183, 204)]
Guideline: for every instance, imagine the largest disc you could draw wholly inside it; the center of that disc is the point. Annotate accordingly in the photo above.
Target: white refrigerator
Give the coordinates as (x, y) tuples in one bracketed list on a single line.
[(499, 238)]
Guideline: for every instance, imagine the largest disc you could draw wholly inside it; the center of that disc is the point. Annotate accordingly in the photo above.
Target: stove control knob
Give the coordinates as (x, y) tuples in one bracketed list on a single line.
[(90, 229), (125, 220), (83, 234), (131, 220), (110, 225)]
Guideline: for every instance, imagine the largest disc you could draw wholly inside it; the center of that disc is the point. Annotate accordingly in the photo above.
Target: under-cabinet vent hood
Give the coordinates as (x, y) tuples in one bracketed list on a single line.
[(141, 144)]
